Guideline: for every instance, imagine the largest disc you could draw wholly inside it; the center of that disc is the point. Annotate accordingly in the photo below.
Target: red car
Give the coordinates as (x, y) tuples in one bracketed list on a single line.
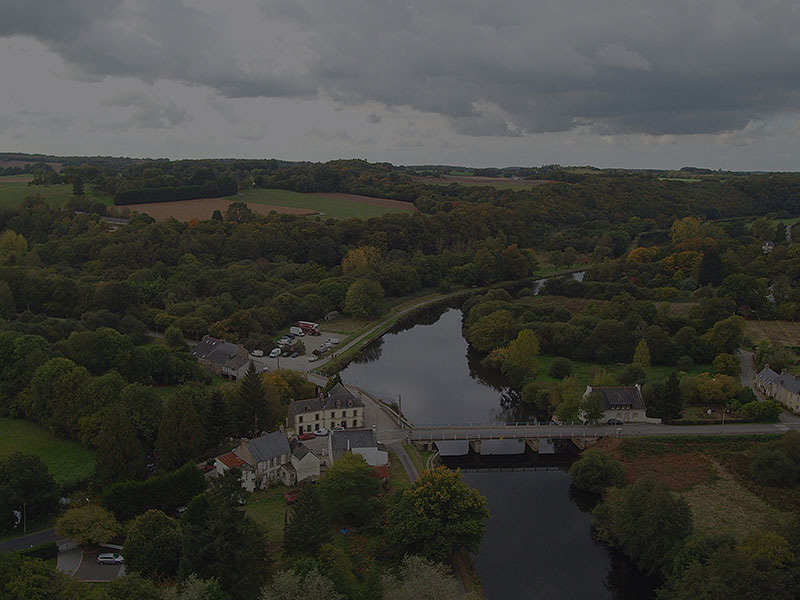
[(306, 436)]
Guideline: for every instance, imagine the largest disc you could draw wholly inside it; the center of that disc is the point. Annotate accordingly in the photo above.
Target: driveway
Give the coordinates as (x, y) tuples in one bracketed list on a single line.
[(89, 570), (70, 561)]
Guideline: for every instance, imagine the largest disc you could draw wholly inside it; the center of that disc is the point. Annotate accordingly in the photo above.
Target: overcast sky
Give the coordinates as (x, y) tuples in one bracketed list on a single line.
[(629, 83)]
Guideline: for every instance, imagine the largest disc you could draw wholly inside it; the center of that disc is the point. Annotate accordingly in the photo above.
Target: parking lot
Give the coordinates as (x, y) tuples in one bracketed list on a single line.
[(301, 363)]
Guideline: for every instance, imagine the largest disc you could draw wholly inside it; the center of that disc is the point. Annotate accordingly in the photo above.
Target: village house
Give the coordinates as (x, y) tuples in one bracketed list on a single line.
[(622, 403), (265, 454), (337, 408), (783, 387), (233, 461), (303, 464), (222, 358), (358, 441)]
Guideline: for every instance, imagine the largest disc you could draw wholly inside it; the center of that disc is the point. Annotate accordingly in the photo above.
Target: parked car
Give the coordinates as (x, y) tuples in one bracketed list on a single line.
[(291, 336), (275, 352), (110, 558), (286, 352), (207, 468), (321, 432), (333, 341), (340, 428), (294, 355), (283, 341), (615, 422), (314, 358), (257, 353), (306, 436)]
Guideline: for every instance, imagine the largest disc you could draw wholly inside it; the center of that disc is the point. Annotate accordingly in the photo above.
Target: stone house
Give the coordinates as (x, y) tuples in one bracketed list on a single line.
[(303, 464), (222, 358), (266, 454), (783, 387), (339, 408), (358, 441), (624, 403)]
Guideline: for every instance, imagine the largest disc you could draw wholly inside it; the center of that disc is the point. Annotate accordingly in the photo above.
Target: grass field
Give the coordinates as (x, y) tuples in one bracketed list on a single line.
[(336, 206), (13, 192), (68, 461), (268, 508), (786, 333), (584, 371)]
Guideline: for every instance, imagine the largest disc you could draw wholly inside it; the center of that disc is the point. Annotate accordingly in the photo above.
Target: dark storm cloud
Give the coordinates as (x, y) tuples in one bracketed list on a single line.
[(500, 68), (148, 112)]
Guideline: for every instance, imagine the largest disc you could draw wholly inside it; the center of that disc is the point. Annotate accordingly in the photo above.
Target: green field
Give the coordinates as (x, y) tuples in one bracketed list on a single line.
[(328, 206), (68, 461), (268, 507), (13, 193), (584, 371)]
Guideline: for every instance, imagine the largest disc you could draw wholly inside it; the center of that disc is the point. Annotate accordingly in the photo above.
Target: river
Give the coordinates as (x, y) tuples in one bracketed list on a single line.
[(538, 543)]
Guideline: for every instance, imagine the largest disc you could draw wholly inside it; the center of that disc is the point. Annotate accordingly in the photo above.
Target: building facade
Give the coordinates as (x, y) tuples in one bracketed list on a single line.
[(338, 408)]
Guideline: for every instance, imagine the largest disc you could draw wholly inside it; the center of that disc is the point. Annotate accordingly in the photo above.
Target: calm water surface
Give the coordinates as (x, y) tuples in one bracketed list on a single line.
[(438, 378)]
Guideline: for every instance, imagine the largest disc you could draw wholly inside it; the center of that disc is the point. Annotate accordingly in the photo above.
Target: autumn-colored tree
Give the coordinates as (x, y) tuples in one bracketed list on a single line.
[(641, 356), (360, 259), (89, 525)]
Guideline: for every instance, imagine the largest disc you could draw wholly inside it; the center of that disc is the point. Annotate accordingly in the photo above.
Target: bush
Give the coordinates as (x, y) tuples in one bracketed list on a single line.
[(596, 471), (770, 466), (631, 374), (763, 412), (43, 551), (127, 499), (560, 367), (685, 363)]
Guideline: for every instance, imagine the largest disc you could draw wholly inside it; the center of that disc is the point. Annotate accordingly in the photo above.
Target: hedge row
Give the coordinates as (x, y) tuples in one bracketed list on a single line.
[(128, 499), (165, 194), (43, 551)]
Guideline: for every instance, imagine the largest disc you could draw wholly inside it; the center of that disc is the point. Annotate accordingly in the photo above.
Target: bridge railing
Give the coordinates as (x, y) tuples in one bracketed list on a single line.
[(560, 433)]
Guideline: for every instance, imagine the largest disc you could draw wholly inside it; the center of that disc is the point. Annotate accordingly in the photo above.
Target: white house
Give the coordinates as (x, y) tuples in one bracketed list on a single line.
[(339, 408), (623, 403), (303, 464), (233, 461), (265, 454), (359, 441)]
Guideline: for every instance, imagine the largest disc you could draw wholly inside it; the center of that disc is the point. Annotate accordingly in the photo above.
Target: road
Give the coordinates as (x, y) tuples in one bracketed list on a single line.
[(32, 539), (566, 431)]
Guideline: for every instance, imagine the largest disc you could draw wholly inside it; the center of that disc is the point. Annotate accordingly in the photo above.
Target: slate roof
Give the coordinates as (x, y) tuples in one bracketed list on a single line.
[(299, 449), (789, 382), (616, 398), (269, 445), (338, 397), (767, 375), (357, 438), (216, 351)]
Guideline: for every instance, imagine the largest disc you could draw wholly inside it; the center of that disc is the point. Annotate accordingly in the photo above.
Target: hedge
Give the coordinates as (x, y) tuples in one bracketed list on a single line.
[(43, 551), (127, 499), (165, 194)]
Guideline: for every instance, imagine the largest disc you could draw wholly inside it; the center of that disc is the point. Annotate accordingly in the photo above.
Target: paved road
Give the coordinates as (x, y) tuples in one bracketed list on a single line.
[(565, 431), (32, 539)]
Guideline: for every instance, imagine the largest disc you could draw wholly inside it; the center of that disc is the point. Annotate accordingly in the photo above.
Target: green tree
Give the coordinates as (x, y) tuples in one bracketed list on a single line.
[(567, 398), (560, 367), (593, 407), (349, 490), (770, 466), (180, 436), (492, 331), (710, 271), (666, 402), (420, 579), (727, 364), (32, 579), (131, 587), (289, 585), (152, 547), (523, 351), (220, 541), (641, 356), (25, 486), (726, 335), (7, 306), (251, 402), (308, 529), (119, 453), (438, 515), (364, 298), (194, 588), (88, 525), (173, 337), (646, 521), (596, 471), (217, 421)]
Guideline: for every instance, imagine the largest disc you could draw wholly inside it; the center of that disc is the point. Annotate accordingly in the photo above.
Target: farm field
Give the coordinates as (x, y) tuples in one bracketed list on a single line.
[(786, 333), (68, 461), (14, 189), (327, 205), (501, 183), (203, 208)]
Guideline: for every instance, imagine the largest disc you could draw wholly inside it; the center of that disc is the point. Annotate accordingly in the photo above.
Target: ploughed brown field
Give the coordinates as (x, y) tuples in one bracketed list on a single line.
[(186, 210)]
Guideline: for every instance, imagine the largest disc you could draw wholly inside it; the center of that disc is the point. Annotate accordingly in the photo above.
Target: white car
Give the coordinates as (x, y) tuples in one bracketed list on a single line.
[(321, 432), (284, 340), (275, 352), (110, 558), (332, 341), (313, 358), (257, 353)]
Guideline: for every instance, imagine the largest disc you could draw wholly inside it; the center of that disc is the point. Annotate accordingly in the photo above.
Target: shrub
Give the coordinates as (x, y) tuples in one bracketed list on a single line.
[(766, 412), (560, 367), (596, 471), (770, 466)]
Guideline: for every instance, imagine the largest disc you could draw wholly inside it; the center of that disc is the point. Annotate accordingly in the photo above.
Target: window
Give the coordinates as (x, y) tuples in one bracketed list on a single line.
[(300, 419), (344, 424), (333, 414), (316, 417), (355, 423)]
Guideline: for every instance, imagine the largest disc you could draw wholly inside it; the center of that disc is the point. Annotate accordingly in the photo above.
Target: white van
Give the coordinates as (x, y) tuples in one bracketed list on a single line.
[(275, 353)]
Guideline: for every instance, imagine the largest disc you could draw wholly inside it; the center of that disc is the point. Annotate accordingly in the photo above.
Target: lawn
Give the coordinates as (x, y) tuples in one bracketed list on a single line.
[(68, 461), (584, 371), (13, 193), (786, 333), (268, 507), (336, 206), (398, 478)]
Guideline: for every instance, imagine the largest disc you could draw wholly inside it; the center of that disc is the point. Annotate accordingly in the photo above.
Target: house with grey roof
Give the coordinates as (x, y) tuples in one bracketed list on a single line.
[(266, 454), (358, 441), (622, 403), (303, 464), (222, 358), (783, 387), (337, 408)]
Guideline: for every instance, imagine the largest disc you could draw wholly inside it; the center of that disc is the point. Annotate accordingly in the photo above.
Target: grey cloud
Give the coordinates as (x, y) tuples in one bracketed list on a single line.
[(335, 135), (373, 118), (661, 68), (148, 112)]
